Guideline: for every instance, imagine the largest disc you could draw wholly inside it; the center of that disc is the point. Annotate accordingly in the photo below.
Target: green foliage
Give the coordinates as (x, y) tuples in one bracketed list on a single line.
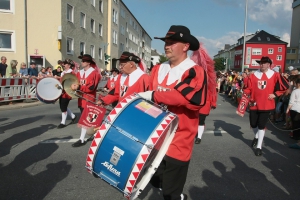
[(106, 58), (219, 64), (162, 59)]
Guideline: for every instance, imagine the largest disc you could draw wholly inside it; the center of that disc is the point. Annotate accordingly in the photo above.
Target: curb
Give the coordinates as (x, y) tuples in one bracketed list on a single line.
[(20, 105)]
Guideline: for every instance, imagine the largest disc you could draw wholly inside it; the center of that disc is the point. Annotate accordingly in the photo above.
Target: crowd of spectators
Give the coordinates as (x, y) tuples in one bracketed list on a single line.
[(287, 112)]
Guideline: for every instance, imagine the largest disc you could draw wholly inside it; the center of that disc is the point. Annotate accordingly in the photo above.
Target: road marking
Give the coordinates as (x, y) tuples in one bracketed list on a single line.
[(60, 141), (216, 131)]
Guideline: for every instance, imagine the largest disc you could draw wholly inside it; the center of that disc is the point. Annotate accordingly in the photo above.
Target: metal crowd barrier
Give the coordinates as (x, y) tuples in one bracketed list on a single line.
[(12, 89)]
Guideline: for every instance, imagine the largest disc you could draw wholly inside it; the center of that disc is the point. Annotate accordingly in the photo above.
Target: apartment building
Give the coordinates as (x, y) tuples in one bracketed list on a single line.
[(47, 31), (293, 52)]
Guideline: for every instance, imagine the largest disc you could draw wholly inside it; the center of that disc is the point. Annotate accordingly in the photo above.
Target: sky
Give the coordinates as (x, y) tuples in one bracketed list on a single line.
[(213, 22)]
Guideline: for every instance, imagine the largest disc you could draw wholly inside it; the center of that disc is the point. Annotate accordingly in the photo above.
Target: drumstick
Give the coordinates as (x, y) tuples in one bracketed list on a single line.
[(58, 87)]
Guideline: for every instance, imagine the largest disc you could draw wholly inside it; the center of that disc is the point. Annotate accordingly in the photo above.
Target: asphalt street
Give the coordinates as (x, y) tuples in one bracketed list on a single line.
[(37, 160)]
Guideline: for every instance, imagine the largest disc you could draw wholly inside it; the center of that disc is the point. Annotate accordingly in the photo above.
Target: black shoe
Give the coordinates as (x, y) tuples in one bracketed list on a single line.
[(61, 126), (73, 120), (79, 143), (197, 141), (90, 138), (258, 152), (254, 142), (185, 197)]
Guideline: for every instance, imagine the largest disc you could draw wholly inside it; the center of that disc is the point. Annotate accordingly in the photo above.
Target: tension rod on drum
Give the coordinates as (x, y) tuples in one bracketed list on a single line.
[(128, 134)]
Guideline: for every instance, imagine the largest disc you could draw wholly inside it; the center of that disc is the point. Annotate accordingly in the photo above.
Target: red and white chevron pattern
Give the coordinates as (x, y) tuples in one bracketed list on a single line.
[(100, 134), (152, 140)]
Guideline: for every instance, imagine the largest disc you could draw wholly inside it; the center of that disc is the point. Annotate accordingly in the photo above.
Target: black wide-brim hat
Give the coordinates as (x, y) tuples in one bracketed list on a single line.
[(127, 56), (182, 34), (87, 58), (264, 59), (69, 61)]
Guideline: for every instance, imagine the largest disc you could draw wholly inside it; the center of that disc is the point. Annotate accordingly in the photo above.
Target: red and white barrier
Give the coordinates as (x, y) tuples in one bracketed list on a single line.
[(17, 89)]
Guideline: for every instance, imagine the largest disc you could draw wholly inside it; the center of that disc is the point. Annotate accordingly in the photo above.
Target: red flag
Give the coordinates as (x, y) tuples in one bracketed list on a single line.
[(241, 109), (91, 116)]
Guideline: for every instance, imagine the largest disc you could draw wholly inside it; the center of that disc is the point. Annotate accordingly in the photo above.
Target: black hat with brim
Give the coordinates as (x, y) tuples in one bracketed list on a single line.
[(127, 56), (264, 59), (86, 58), (182, 34)]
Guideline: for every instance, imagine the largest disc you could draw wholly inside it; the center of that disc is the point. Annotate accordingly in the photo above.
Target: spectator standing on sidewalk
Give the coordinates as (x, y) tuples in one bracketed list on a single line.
[(23, 70), (11, 71), (262, 87), (3, 67), (32, 71)]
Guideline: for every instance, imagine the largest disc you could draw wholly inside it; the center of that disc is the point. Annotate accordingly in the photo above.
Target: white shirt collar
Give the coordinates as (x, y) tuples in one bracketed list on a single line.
[(133, 77), (259, 74), (87, 72), (176, 72)]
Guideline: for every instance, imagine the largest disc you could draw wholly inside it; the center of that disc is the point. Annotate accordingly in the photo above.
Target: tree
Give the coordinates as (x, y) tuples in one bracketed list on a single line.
[(219, 64), (162, 58)]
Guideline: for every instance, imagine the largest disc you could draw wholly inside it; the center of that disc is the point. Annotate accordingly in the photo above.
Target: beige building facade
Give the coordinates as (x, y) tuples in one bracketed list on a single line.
[(47, 31)]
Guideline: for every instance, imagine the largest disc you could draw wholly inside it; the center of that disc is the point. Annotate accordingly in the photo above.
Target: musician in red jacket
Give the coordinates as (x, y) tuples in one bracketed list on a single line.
[(89, 78), (132, 80), (262, 87), (65, 98), (180, 84)]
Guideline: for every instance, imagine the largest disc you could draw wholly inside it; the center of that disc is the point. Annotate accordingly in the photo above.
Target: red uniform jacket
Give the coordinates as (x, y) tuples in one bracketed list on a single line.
[(88, 81), (184, 97), (261, 85), (127, 85), (210, 102), (111, 82)]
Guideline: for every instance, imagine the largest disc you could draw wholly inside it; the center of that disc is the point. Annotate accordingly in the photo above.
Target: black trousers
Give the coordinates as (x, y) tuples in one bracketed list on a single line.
[(171, 177), (63, 104), (258, 119), (202, 118), (295, 123)]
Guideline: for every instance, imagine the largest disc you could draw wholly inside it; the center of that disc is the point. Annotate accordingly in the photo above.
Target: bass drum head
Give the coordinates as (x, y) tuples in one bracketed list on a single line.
[(48, 89)]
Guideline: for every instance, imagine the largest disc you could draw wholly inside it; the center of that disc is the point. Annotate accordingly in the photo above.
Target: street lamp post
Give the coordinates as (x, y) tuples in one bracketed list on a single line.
[(245, 27)]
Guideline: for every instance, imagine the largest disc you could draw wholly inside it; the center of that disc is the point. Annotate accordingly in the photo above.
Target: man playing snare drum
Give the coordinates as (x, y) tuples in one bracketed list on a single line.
[(180, 84)]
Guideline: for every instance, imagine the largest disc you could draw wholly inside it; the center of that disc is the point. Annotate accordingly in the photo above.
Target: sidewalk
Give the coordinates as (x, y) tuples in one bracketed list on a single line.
[(19, 104)]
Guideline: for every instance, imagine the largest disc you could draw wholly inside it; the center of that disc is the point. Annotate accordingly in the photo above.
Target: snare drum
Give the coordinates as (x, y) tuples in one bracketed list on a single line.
[(48, 90), (130, 145)]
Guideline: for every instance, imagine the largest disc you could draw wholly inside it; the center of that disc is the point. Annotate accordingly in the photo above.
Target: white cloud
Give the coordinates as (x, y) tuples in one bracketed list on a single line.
[(214, 45)]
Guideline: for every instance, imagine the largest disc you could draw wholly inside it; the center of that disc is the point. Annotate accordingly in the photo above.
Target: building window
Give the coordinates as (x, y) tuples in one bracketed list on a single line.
[(122, 30), (101, 6), (93, 25), (254, 63), (123, 13), (82, 47), (92, 51), (100, 29), (279, 57), (121, 47), (279, 49), (70, 12), (115, 16), (82, 20), (93, 2), (7, 5), (70, 46), (270, 51), (7, 40), (115, 37), (258, 38), (291, 51), (268, 39), (100, 54), (290, 61), (256, 51)]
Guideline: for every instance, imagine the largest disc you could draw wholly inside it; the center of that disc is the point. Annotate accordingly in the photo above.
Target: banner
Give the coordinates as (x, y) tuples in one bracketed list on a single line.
[(242, 107), (91, 116)]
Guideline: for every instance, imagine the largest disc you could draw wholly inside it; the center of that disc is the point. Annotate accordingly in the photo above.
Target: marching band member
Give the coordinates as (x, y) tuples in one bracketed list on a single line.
[(132, 80), (89, 78), (202, 58), (64, 99), (262, 87), (180, 84), (111, 83)]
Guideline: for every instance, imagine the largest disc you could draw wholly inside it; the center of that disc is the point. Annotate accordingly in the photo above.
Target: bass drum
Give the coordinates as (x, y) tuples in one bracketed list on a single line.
[(130, 145), (48, 90)]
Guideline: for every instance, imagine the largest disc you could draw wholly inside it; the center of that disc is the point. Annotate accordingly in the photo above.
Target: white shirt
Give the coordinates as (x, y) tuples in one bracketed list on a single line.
[(295, 100)]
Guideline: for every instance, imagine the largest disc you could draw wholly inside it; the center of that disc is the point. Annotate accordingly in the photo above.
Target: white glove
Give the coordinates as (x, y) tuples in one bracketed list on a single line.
[(146, 95)]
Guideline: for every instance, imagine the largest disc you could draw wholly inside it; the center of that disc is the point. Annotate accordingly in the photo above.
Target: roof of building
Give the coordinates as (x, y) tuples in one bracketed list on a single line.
[(264, 37), (154, 52)]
